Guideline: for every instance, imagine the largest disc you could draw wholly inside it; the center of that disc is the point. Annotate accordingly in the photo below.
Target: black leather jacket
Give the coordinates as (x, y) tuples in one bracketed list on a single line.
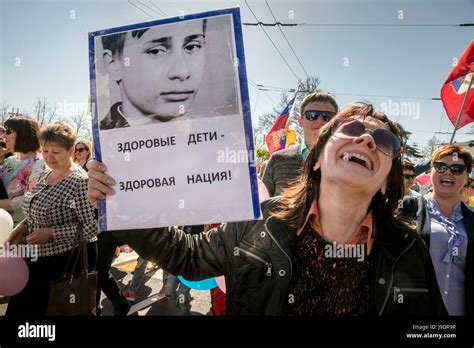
[(256, 259)]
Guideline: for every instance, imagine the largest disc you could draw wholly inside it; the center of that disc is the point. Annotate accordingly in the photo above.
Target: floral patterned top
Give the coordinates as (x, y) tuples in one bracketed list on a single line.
[(18, 177)]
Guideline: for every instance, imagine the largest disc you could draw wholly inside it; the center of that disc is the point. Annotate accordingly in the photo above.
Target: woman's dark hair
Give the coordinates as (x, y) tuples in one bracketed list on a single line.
[(297, 198), (26, 129), (406, 165)]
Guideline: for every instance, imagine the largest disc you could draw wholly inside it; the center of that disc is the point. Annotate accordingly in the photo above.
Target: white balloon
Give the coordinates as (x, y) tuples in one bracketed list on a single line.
[(6, 226)]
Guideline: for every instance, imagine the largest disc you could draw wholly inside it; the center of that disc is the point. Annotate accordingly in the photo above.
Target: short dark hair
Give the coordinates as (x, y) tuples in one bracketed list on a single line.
[(322, 97), (59, 133), (406, 165), (26, 129), (116, 42)]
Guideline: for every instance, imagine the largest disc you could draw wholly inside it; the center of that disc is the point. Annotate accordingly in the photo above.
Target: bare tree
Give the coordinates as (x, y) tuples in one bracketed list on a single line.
[(81, 124), (43, 112), (432, 144), (4, 112)]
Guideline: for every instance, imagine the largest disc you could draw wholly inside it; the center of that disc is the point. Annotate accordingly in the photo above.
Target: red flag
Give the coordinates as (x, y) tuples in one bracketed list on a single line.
[(276, 138), (455, 88)]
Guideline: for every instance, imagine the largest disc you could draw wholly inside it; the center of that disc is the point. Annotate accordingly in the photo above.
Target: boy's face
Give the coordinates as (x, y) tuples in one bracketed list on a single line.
[(161, 71)]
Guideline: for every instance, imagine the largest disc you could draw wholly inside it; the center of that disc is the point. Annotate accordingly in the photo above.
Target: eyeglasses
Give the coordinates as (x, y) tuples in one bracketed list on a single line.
[(386, 141), (409, 176), (80, 149), (313, 115), (456, 169)]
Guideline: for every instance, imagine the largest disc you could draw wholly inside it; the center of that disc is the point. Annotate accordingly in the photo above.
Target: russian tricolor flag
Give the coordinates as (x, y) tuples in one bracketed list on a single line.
[(276, 138)]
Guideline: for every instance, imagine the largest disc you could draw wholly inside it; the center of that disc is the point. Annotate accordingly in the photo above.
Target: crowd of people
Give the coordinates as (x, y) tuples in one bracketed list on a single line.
[(346, 229)]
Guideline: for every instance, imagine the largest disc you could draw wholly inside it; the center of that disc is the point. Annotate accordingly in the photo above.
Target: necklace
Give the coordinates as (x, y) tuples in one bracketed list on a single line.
[(54, 181)]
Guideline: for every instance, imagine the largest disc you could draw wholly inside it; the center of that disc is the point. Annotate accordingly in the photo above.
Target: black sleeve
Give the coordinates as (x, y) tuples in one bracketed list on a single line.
[(195, 257)]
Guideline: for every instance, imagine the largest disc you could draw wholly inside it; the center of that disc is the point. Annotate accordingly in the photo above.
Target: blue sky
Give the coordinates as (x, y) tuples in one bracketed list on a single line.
[(44, 50)]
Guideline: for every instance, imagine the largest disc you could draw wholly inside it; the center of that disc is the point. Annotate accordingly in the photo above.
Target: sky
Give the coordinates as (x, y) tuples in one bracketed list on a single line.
[(393, 53)]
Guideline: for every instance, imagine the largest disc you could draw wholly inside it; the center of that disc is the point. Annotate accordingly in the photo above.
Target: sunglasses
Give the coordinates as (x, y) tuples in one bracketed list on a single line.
[(386, 141), (313, 115), (409, 176), (80, 150), (456, 169)]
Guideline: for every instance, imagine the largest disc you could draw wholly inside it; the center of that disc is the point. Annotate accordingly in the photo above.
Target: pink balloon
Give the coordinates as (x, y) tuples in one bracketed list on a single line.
[(221, 283), (14, 275)]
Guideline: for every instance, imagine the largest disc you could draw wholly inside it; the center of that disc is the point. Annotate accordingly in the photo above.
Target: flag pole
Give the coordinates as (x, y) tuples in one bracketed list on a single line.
[(462, 109), (290, 113)]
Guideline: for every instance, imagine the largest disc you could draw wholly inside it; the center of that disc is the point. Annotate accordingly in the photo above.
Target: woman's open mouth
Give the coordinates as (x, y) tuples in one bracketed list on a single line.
[(357, 158), (447, 182)]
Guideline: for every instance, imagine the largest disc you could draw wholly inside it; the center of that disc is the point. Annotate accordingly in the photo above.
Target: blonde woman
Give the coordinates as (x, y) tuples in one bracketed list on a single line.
[(83, 153)]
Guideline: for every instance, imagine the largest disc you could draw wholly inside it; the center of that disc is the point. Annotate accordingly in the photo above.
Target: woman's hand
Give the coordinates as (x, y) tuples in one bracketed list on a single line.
[(18, 234), (99, 185), (40, 236)]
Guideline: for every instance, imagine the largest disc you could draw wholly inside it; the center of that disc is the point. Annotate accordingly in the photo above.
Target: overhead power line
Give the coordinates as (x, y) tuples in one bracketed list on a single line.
[(163, 13), (282, 89), (254, 85), (148, 7), (271, 24), (280, 24), (287, 41), (269, 38), (131, 3)]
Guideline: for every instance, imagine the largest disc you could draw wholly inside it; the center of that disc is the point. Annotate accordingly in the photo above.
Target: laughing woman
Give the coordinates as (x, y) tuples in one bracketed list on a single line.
[(303, 257), (447, 226)]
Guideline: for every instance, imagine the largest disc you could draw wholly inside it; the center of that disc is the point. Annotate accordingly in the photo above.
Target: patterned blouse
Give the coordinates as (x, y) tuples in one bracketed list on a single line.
[(19, 177), (325, 286), (61, 207)]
